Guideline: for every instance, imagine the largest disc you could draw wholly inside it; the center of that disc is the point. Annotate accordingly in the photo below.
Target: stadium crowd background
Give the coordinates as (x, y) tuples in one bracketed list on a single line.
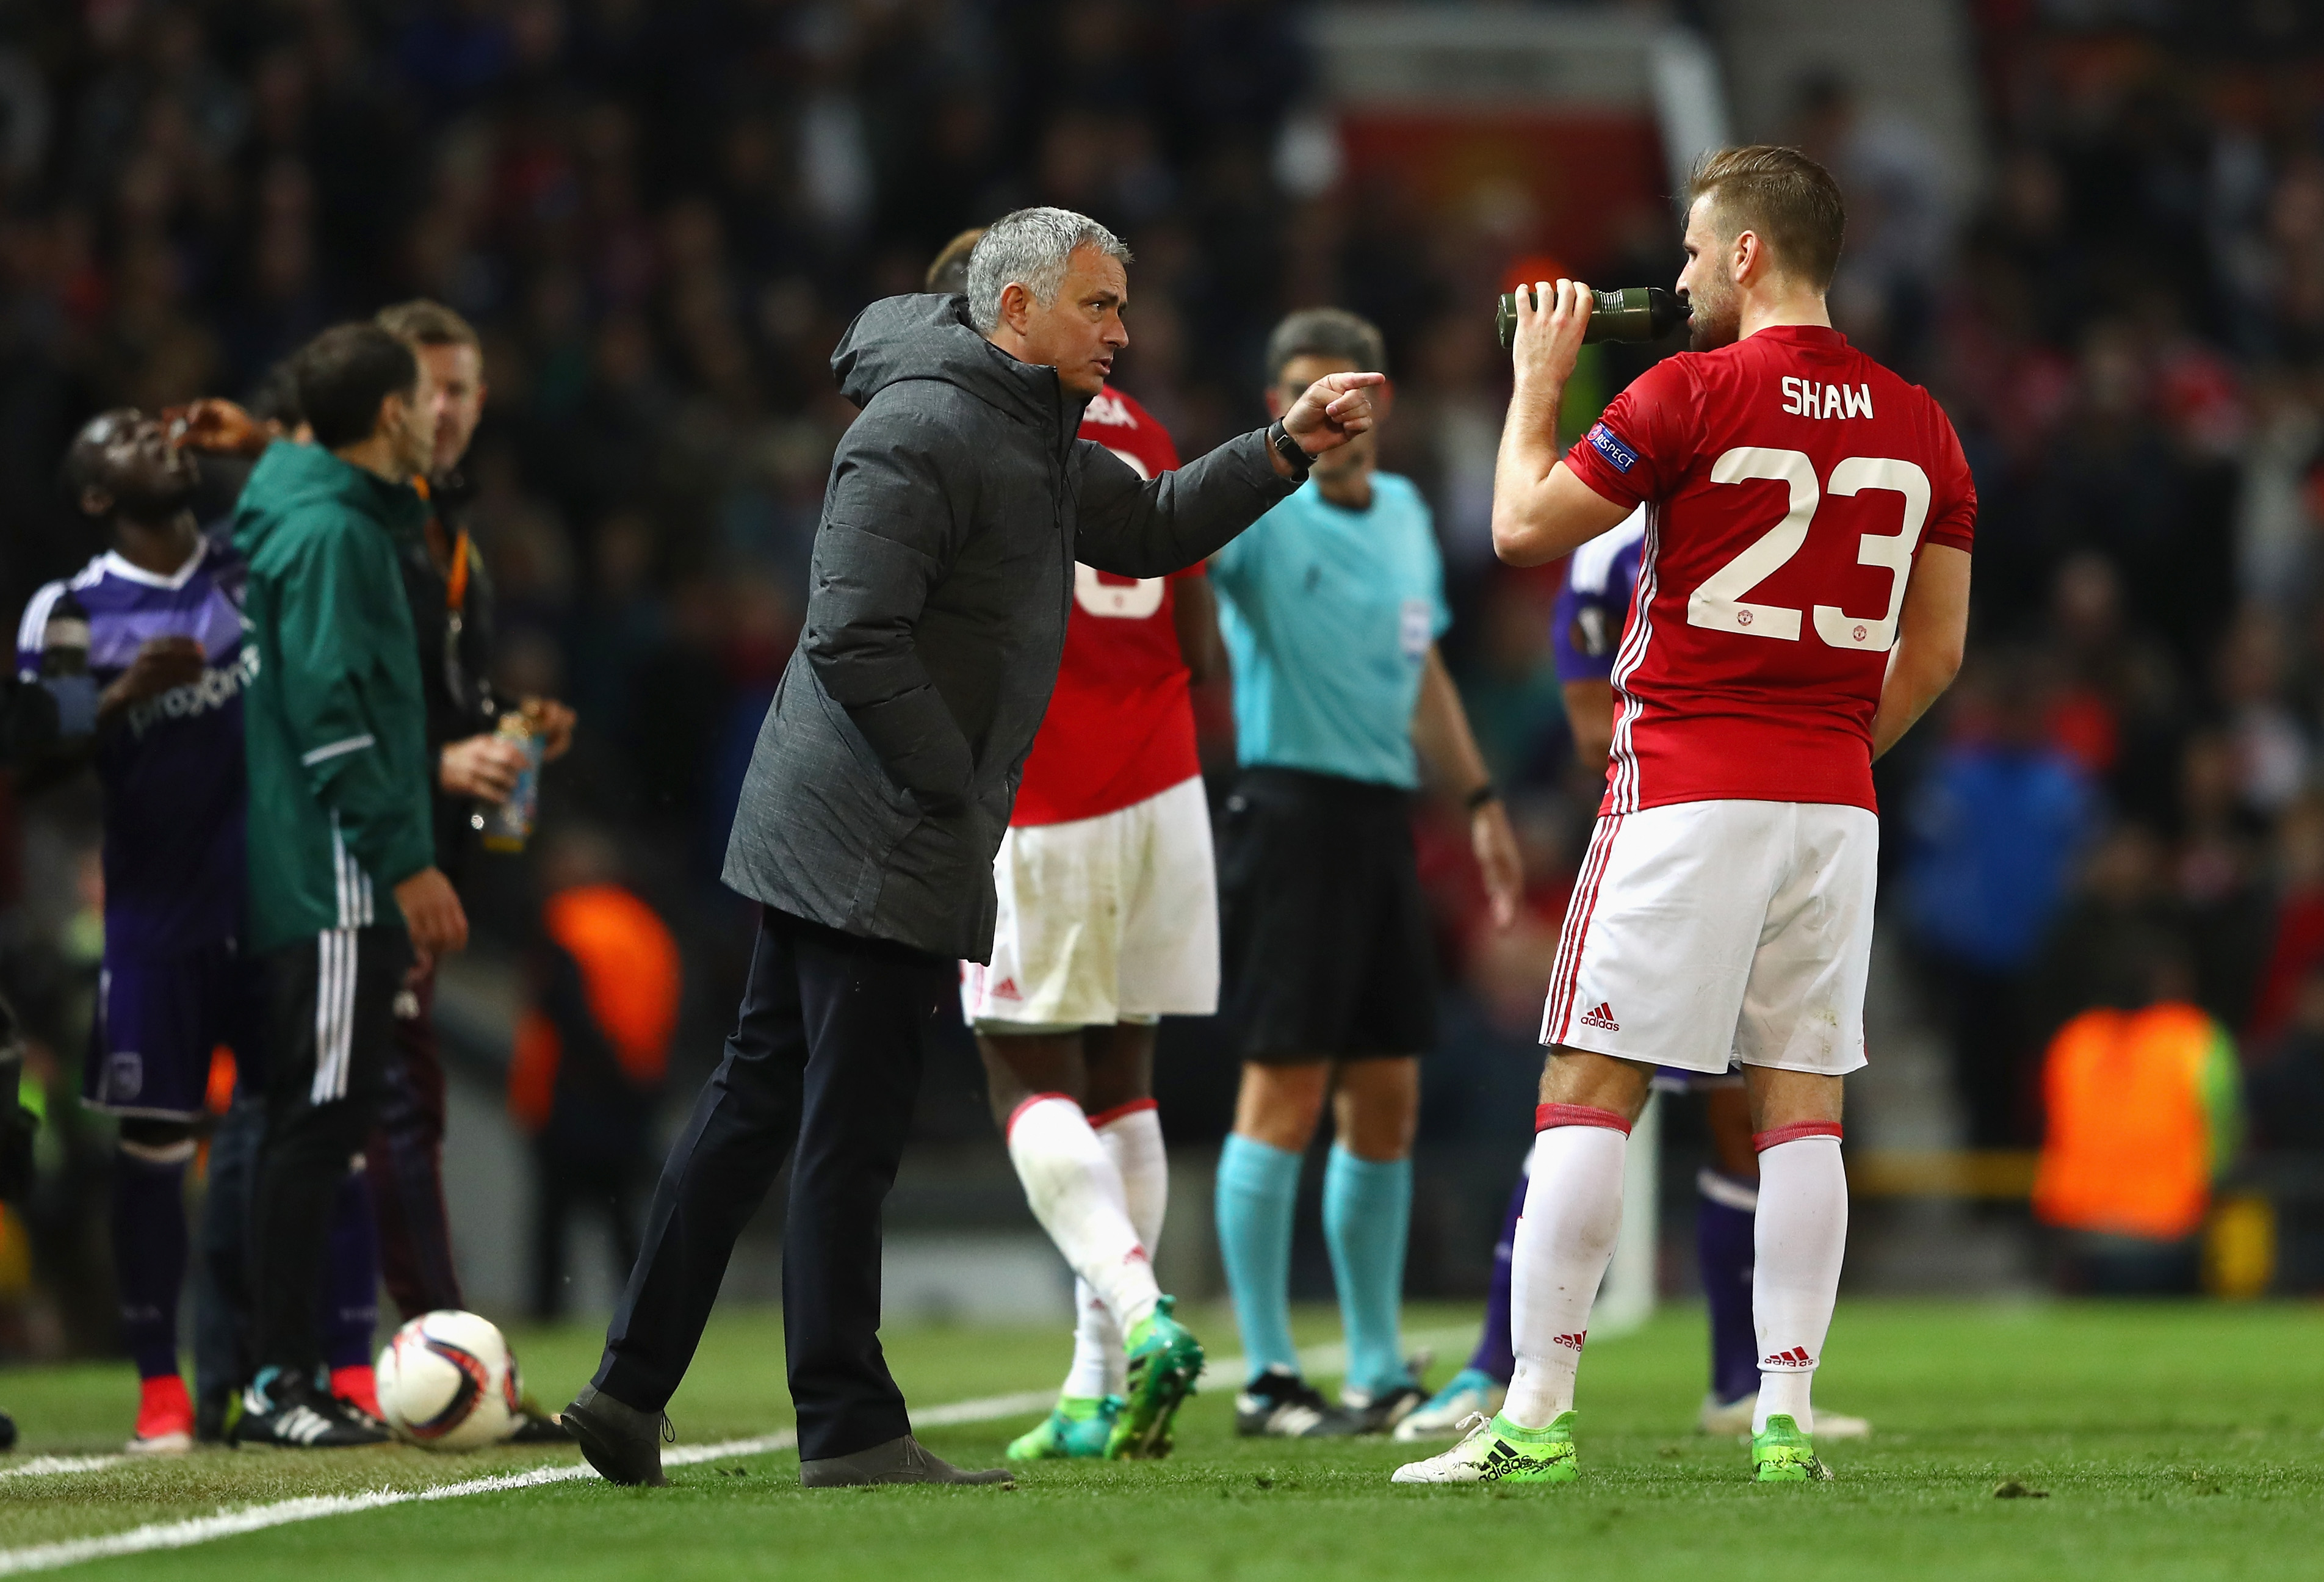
[(661, 215)]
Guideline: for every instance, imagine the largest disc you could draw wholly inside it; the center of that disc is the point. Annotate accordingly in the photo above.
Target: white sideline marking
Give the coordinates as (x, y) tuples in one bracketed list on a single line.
[(42, 1465), (233, 1522)]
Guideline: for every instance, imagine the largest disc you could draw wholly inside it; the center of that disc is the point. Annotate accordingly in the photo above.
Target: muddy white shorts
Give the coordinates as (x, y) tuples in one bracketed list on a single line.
[(1104, 919), (1704, 931)]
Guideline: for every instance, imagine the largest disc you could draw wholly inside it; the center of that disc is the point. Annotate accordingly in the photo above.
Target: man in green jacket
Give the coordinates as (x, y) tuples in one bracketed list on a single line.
[(335, 734)]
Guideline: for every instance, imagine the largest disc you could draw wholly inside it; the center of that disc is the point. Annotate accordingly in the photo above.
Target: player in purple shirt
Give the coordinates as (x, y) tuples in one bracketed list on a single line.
[(160, 617), (1592, 614)]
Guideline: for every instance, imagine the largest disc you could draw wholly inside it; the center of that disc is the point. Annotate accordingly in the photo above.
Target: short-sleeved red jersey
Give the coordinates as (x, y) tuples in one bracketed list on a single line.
[(1790, 482), (1120, 726)]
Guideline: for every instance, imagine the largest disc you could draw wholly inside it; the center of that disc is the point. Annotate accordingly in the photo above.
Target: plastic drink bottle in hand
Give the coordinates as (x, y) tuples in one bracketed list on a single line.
[(1632, 313), (506, 828)]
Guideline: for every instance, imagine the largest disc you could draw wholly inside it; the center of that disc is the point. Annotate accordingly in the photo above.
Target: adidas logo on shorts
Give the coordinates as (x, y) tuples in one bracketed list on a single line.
[(1601, 1017)]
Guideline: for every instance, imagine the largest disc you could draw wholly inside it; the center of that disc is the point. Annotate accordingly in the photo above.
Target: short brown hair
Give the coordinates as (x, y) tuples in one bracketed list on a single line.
[(949, 272), (422, 322), (1325, 332), (346, 374), (1787, 199)]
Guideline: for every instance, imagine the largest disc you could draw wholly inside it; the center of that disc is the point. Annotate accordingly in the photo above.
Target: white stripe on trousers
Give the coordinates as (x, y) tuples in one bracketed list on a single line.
[(334, 1015)]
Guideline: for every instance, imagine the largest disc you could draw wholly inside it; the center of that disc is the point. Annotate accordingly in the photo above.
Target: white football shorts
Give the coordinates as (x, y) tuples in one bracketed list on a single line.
[(1704, 931), (1104, 919)]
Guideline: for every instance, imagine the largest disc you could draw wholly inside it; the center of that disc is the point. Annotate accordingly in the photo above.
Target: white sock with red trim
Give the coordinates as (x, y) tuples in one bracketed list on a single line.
[(1131, 1136), (1076, 1193), (1564, 1240), (1800, 1238)]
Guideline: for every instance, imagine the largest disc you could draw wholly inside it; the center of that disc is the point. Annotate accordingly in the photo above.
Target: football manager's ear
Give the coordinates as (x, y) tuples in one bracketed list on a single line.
[(881, 788)]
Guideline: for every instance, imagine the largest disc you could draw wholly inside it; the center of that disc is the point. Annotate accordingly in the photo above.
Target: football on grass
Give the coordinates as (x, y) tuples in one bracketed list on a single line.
[(448, 1381)]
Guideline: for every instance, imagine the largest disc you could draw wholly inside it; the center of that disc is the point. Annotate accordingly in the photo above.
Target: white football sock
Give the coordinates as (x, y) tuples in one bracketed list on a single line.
[(1566, 1238), (1800, 1238), (1100, 1365), (1077, 1195), (1131, 1137)]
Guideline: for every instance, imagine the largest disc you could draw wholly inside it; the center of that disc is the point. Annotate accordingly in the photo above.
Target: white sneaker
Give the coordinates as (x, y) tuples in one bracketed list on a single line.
[(1493, 1451), (1732, 1420), (1467, 1393)]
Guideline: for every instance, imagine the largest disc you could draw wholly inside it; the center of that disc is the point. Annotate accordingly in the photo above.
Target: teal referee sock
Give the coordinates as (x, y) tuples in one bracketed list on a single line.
[(1367, 1218), (1258, 1185)]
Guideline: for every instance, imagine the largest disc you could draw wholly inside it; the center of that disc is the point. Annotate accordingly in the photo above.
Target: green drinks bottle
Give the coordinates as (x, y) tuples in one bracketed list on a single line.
[(1632, 313)]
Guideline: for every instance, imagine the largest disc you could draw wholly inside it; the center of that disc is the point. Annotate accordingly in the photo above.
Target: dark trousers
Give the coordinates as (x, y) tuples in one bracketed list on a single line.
[(567, 1182), (222, 1245), (825, 1052), (406, 1160), (330, 1006)]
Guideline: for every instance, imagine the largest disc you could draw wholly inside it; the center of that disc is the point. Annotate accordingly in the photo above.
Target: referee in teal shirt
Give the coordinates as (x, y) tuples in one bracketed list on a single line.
[(1331, 606)]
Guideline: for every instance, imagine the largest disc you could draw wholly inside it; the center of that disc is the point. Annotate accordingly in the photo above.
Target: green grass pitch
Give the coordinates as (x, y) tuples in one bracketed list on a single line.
[(2171, 1441)]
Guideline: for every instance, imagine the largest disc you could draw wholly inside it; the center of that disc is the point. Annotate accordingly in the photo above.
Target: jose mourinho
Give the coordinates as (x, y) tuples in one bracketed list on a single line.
[(879, 789)]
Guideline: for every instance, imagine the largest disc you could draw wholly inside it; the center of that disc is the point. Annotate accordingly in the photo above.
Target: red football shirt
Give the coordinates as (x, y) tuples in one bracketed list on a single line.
[(1121, 727), (1791, 482)]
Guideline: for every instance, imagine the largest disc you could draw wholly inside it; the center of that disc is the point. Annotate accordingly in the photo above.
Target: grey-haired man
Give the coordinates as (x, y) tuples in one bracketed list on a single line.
[(880, 790)]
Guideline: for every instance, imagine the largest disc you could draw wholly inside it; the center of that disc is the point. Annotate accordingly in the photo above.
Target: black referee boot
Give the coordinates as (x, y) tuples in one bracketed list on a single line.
[(903, 1460), (622, 1443)]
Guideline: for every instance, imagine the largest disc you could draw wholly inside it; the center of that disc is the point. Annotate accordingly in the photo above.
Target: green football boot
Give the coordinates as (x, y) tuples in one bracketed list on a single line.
[(1165, 1359), (1497, 1450), (1078, 1429), (1782, 1454)]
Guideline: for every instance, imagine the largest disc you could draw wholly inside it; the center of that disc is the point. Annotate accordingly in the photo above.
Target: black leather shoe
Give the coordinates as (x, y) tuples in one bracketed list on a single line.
[(903, 1460), (622, 1443)]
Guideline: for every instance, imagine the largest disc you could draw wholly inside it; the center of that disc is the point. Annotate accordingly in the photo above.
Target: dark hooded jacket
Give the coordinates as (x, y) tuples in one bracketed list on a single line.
[(943, 572)]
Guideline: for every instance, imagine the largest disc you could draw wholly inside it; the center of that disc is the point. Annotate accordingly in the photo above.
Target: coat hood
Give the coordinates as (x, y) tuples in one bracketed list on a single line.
[(290, 478), (929, 336)]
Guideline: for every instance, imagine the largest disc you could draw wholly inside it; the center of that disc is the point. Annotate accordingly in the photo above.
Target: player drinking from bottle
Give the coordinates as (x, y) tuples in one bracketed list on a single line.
[(1585, 629), (159, 614), (1802, 599)]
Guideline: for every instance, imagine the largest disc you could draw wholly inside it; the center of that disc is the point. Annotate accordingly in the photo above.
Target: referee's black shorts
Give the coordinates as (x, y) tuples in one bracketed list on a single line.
[(1324, 929)]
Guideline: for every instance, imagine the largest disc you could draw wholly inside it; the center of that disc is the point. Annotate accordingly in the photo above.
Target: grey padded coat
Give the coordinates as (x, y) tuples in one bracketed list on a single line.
[(943, 574)]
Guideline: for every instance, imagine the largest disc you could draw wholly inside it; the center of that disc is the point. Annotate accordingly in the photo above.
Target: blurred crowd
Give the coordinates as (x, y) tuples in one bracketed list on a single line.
[(660, 216), (2120, 804)]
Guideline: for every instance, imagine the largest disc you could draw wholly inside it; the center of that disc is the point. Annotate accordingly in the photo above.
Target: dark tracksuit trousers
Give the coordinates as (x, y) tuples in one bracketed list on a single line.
[(330, 1014), (406, 1159), (825, 1054)]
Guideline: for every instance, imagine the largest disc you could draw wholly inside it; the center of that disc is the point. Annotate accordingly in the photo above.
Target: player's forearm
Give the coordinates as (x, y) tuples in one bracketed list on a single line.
[(1194, 617), (1917, 676), (1933, 630), (1522, 528), (1590, 719)]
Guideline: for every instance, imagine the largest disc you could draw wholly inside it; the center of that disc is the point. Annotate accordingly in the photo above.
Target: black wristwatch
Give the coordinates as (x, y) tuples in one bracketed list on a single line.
[(1288, 449), (1484, 795)]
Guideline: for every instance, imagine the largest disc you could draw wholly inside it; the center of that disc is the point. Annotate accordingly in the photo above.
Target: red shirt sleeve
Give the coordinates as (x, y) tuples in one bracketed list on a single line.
[(1640, 446), (1953, 518)]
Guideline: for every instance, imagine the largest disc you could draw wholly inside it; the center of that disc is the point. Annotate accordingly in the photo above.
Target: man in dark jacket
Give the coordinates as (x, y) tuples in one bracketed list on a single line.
[(470, 765), (879, 790)]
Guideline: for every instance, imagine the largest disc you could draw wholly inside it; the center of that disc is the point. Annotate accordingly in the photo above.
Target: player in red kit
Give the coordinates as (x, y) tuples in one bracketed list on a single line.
[(1108, 921), (1802, 599)]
